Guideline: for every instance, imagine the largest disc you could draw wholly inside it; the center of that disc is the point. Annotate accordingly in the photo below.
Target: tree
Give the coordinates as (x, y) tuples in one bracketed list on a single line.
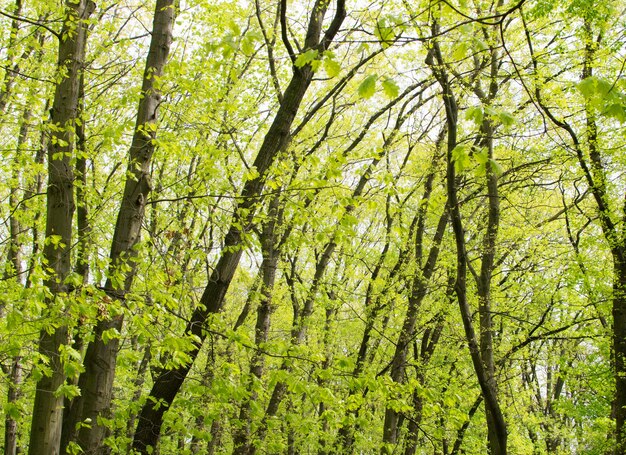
[(48, 408)]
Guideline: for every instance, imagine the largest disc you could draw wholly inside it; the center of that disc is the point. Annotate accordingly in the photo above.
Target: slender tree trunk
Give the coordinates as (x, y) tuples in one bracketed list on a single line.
[(11, 68), (14, 270), (418, 292), (496, 443), (497, 423), (424, 354), (242, 437), (167, 385), (48, 408), (13, 393)]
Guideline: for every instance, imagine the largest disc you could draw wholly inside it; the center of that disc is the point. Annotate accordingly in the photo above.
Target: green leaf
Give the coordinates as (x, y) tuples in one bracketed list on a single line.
[(68, 391), (247, 45), (495, 167), (390, 88), (110, 334), (368, 87), (482, 155), (12, 410), (616, 111), (306, 58), (331, 67), (506, 118), (251, 173), (460, 50), (384, 32), (460, 157), (475, 114)]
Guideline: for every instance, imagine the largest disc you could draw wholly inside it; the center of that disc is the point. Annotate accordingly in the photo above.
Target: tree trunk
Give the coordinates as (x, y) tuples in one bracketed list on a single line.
[(168, 383), (13, 393), (619, 348), (242, 438), (418, 292), (48, 408), (496, 421)]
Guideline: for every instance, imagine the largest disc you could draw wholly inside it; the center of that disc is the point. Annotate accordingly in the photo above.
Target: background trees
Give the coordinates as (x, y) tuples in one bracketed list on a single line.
[(327, 205)]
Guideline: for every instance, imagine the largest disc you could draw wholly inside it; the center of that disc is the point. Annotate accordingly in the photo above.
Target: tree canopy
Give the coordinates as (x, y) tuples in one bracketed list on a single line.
[(313, 227)]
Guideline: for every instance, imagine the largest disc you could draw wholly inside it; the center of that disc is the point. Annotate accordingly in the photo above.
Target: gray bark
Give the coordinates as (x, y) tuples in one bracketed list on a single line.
[(48, 408)]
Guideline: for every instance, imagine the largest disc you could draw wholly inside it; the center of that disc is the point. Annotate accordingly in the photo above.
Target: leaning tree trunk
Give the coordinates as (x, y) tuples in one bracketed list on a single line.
[(419, 290), (168, 383), (96, 382), (47, 418)]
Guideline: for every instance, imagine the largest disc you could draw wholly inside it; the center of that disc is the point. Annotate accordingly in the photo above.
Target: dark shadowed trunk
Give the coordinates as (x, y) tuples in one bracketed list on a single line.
[(168, 383)]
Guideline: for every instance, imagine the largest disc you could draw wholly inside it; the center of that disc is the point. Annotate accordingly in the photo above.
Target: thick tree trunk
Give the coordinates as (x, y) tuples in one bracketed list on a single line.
[(48, 408), (96, 382), (167, 385)]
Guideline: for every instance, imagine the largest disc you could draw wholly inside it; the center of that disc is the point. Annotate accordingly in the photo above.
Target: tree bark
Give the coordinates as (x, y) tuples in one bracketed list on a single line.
[(242, 438), (48, 408)]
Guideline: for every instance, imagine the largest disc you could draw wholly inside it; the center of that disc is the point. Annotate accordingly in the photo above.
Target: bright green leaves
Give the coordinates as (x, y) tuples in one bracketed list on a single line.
[(461, 157), (506, 118), (331, 66), (460, 50), (307, 57), (476, 114), (248, 43), (312, 57), (384, 32), (72, 361), (595, 89), (388, 28), (68, 391), (390, 88), (483, 160), (464, 155), (368, 86), (604, 97)]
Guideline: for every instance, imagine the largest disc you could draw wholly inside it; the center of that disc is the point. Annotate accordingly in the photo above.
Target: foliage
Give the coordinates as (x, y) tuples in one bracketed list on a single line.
[(356, 198)]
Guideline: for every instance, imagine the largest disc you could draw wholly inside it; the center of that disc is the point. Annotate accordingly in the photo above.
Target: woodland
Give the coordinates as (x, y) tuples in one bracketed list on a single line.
[(313, 227)]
